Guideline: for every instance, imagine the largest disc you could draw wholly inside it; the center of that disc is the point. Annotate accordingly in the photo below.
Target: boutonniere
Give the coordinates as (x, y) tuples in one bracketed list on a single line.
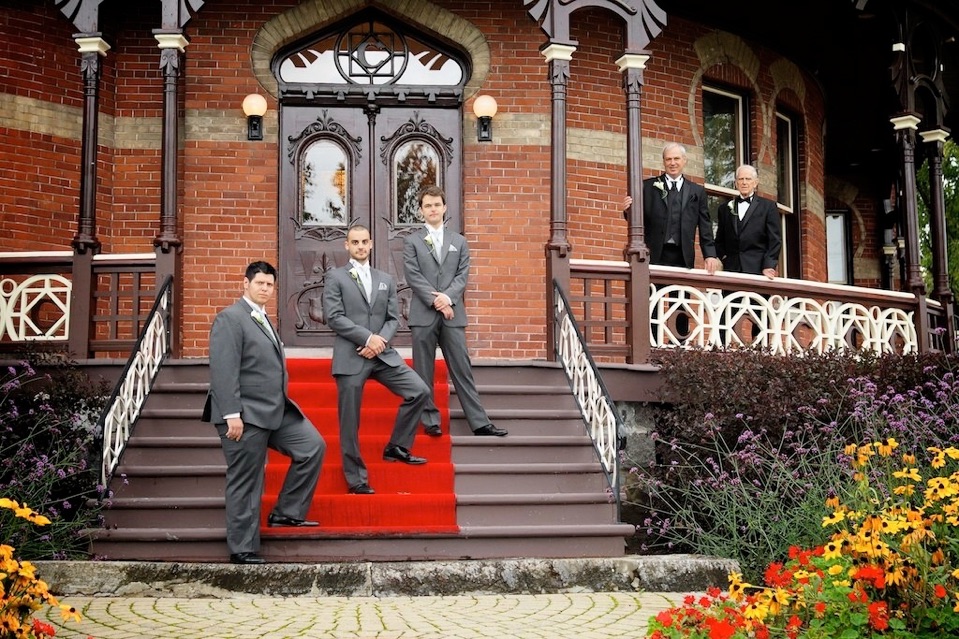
[(429, 241), (256, 316), (662, 188), (732, 205), (354, 274)]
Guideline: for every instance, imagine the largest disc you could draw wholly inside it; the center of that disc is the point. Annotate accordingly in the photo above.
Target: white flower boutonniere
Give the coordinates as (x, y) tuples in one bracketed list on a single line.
[(662, 188), (429, 241), (732, 205), (256, 316), (354, 274)]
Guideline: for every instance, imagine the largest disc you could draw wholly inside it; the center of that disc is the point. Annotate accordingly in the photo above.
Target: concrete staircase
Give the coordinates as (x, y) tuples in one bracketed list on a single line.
[(540, 492)]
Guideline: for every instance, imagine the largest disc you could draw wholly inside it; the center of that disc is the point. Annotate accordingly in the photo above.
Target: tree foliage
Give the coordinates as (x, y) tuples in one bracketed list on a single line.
[(950, 175)]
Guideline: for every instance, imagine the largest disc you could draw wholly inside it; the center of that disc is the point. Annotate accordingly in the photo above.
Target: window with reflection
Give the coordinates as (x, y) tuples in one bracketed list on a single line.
[(837, 247), (787, 161), (415, 165), (723, 137), (324, 178)]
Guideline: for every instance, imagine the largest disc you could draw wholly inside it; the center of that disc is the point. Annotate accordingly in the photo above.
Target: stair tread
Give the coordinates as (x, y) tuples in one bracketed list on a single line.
[(466, 532)]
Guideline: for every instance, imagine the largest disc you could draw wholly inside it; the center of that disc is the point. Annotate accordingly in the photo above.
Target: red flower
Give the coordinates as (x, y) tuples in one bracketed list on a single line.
[(875, 574), (41, 629), (720, 629), (665, 618), (879, 615), (940, 591), (820, 609), (793, 626), (776, 576)]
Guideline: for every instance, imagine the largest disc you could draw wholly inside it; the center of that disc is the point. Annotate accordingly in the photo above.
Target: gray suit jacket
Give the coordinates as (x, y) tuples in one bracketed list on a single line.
[(425, 274), (354, 319), (247, 370)]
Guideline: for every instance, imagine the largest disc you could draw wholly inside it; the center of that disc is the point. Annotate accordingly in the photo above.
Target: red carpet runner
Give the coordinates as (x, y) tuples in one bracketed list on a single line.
[(408, 499)]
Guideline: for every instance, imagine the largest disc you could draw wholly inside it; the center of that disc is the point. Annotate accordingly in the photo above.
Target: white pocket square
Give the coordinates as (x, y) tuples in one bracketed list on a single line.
[(453, 249), (383, 286)]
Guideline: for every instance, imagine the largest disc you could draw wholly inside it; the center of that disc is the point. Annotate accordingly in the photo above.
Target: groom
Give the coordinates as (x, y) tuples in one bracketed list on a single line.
[(361, 307)]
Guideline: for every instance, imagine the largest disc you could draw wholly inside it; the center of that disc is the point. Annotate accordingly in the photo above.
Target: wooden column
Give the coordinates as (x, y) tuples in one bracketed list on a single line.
[(167, 243), (85, 242), (557, 248), (636, 252), (905, 126), (937, 222)]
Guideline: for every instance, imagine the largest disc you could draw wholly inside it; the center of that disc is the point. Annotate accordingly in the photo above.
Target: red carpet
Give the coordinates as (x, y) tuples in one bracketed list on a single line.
[(408, 499)]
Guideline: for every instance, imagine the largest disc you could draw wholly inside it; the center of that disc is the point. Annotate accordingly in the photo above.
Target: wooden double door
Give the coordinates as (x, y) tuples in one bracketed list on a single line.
[(347, 165)]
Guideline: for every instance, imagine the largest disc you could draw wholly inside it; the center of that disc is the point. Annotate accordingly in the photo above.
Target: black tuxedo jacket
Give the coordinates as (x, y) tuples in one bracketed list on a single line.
[(750, 245), (695, 214)]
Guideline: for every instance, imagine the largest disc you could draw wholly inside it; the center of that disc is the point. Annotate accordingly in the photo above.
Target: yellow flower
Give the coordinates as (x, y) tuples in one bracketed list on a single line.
[(885, 450), (835, 569), (833, 519), (69, 613), (908, 473)]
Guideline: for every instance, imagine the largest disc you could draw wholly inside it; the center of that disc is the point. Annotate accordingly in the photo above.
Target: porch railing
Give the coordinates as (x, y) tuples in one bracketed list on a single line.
[(603, 423), (136, 381), (690, 308), (40, 301)]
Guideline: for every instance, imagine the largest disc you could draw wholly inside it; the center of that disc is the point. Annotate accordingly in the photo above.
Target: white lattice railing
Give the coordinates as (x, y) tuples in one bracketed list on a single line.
[(135, 382), (603, 423), (690, 309), (782, 324), (36, 309)]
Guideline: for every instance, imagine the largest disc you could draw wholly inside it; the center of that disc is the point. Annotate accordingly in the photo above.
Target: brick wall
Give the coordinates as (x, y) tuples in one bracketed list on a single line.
[(228, 193)]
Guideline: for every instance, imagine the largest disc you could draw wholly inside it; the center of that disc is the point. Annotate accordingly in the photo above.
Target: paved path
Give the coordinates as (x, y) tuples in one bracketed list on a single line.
[(587, 615)]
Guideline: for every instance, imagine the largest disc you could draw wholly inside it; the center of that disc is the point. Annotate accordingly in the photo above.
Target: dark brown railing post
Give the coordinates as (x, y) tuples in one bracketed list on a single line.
[(167, 243), (905, 126), (937, 222), (85, 242), (557, 249), (636, 252)]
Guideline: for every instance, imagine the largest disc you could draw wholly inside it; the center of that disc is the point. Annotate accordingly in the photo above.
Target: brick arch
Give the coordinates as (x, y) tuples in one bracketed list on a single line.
[(307, 17), (721, 48)]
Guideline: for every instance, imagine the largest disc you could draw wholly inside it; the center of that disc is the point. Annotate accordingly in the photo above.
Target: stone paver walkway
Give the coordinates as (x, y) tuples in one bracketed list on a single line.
[(587, 615)]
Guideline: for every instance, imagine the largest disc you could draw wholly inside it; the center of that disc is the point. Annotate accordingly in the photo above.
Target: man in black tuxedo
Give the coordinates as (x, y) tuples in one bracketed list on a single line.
[(673, 208), (749, 237), (249, 405)]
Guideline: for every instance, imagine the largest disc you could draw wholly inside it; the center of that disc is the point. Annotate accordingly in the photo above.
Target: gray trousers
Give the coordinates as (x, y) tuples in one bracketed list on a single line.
[(296, 438), (452, 341)]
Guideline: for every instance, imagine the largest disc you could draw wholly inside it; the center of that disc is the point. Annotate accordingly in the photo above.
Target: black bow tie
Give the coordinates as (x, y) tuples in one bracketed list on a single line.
[(747, 200)]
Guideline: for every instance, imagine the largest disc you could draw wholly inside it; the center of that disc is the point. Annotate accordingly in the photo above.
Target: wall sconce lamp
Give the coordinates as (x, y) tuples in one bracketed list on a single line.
[(254, 107), (484, 107)]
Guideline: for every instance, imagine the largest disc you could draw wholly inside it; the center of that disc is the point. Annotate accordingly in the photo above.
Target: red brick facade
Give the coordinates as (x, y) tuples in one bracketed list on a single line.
[(228, 185)]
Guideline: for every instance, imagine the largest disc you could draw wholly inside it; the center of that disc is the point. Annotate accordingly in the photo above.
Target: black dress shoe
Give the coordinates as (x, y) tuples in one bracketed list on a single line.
[(433, 430), (246, 558), (362, 489), (490, 431), (280, 520), (398, 453)]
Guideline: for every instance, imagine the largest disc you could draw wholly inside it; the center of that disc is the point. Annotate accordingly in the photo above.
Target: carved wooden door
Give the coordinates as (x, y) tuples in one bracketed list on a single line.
[(349, 165)]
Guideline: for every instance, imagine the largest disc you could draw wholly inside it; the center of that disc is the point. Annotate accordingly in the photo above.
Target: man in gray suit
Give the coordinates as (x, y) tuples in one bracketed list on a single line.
[(249, 406), (436, 263), (361, 307)]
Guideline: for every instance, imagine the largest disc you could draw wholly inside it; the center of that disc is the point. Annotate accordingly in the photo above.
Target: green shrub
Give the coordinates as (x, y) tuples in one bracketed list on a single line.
[(750, 445)]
